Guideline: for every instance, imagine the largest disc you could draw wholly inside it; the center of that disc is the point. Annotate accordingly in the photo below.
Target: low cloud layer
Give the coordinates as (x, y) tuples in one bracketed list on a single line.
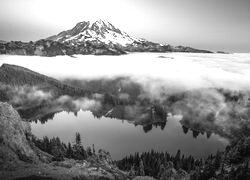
[(31, 96), (80, 103), (24, 94), (185, 71)]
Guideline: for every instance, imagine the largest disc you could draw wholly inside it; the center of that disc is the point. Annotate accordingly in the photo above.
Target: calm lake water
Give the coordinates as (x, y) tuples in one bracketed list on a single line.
[(121, 138)]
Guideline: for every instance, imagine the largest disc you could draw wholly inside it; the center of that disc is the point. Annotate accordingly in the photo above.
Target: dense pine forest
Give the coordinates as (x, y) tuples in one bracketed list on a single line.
[(233, 163), (60, 150)]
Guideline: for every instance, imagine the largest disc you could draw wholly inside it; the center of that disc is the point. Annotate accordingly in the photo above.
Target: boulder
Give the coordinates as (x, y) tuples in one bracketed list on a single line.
[(14, 146)]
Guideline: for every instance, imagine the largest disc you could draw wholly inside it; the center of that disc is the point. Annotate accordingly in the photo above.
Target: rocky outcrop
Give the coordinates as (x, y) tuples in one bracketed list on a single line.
[(170, 173), (14, 146)]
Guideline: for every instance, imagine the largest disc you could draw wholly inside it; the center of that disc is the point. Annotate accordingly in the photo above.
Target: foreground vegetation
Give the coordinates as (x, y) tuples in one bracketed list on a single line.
[(233, 163), (60, 150)]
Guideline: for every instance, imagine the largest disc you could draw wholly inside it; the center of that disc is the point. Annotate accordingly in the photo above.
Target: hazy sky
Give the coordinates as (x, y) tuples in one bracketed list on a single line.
[(206, 24)]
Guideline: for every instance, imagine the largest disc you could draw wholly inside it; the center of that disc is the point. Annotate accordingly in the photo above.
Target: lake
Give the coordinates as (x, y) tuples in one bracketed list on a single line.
[(121, 138)]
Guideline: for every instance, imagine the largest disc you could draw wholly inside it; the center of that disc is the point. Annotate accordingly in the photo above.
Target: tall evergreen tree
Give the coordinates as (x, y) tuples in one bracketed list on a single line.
[(69, 153), (78, 138), (132, 171), (93, 148), (141, 169), (79, 152), (177, 160)]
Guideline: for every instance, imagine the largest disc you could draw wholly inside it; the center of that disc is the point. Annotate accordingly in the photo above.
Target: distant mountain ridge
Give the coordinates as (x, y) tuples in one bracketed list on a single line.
[(90, 37)]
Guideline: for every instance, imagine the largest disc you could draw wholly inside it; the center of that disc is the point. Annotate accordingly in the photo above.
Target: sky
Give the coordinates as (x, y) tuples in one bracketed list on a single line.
[(205, 24)]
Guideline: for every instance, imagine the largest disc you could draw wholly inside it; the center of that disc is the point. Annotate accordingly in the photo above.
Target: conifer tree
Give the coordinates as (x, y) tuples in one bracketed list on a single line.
[(93, 148), (132, 171), (69, 152), (141, 169)]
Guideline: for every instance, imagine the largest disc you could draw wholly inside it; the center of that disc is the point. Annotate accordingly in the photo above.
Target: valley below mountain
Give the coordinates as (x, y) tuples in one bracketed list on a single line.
[(204, 113)]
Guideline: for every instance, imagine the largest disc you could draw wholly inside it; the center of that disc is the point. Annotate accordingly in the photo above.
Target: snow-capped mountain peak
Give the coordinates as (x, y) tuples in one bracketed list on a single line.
[(101, 34), (95, 31)]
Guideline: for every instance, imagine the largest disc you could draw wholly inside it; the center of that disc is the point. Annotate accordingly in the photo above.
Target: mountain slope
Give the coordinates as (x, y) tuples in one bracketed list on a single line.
[(99, 31), (54, 48), (13, 142), (19, 76), (103, 32), (89, 37)]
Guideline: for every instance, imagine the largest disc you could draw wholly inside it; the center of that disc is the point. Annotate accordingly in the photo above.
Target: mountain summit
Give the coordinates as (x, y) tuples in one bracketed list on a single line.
[(102, 32), (94, 31), (90, 37)]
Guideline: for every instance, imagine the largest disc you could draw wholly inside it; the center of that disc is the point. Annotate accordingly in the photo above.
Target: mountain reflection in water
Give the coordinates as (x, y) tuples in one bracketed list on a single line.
[(121, 137)]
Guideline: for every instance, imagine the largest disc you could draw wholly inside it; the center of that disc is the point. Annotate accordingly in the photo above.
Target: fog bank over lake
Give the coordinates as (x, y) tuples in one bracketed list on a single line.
[(181, 70), (142, 89)]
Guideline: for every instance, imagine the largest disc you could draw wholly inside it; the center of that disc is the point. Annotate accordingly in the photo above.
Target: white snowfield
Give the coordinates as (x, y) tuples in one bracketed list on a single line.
[(185, 70), (107, 36)]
